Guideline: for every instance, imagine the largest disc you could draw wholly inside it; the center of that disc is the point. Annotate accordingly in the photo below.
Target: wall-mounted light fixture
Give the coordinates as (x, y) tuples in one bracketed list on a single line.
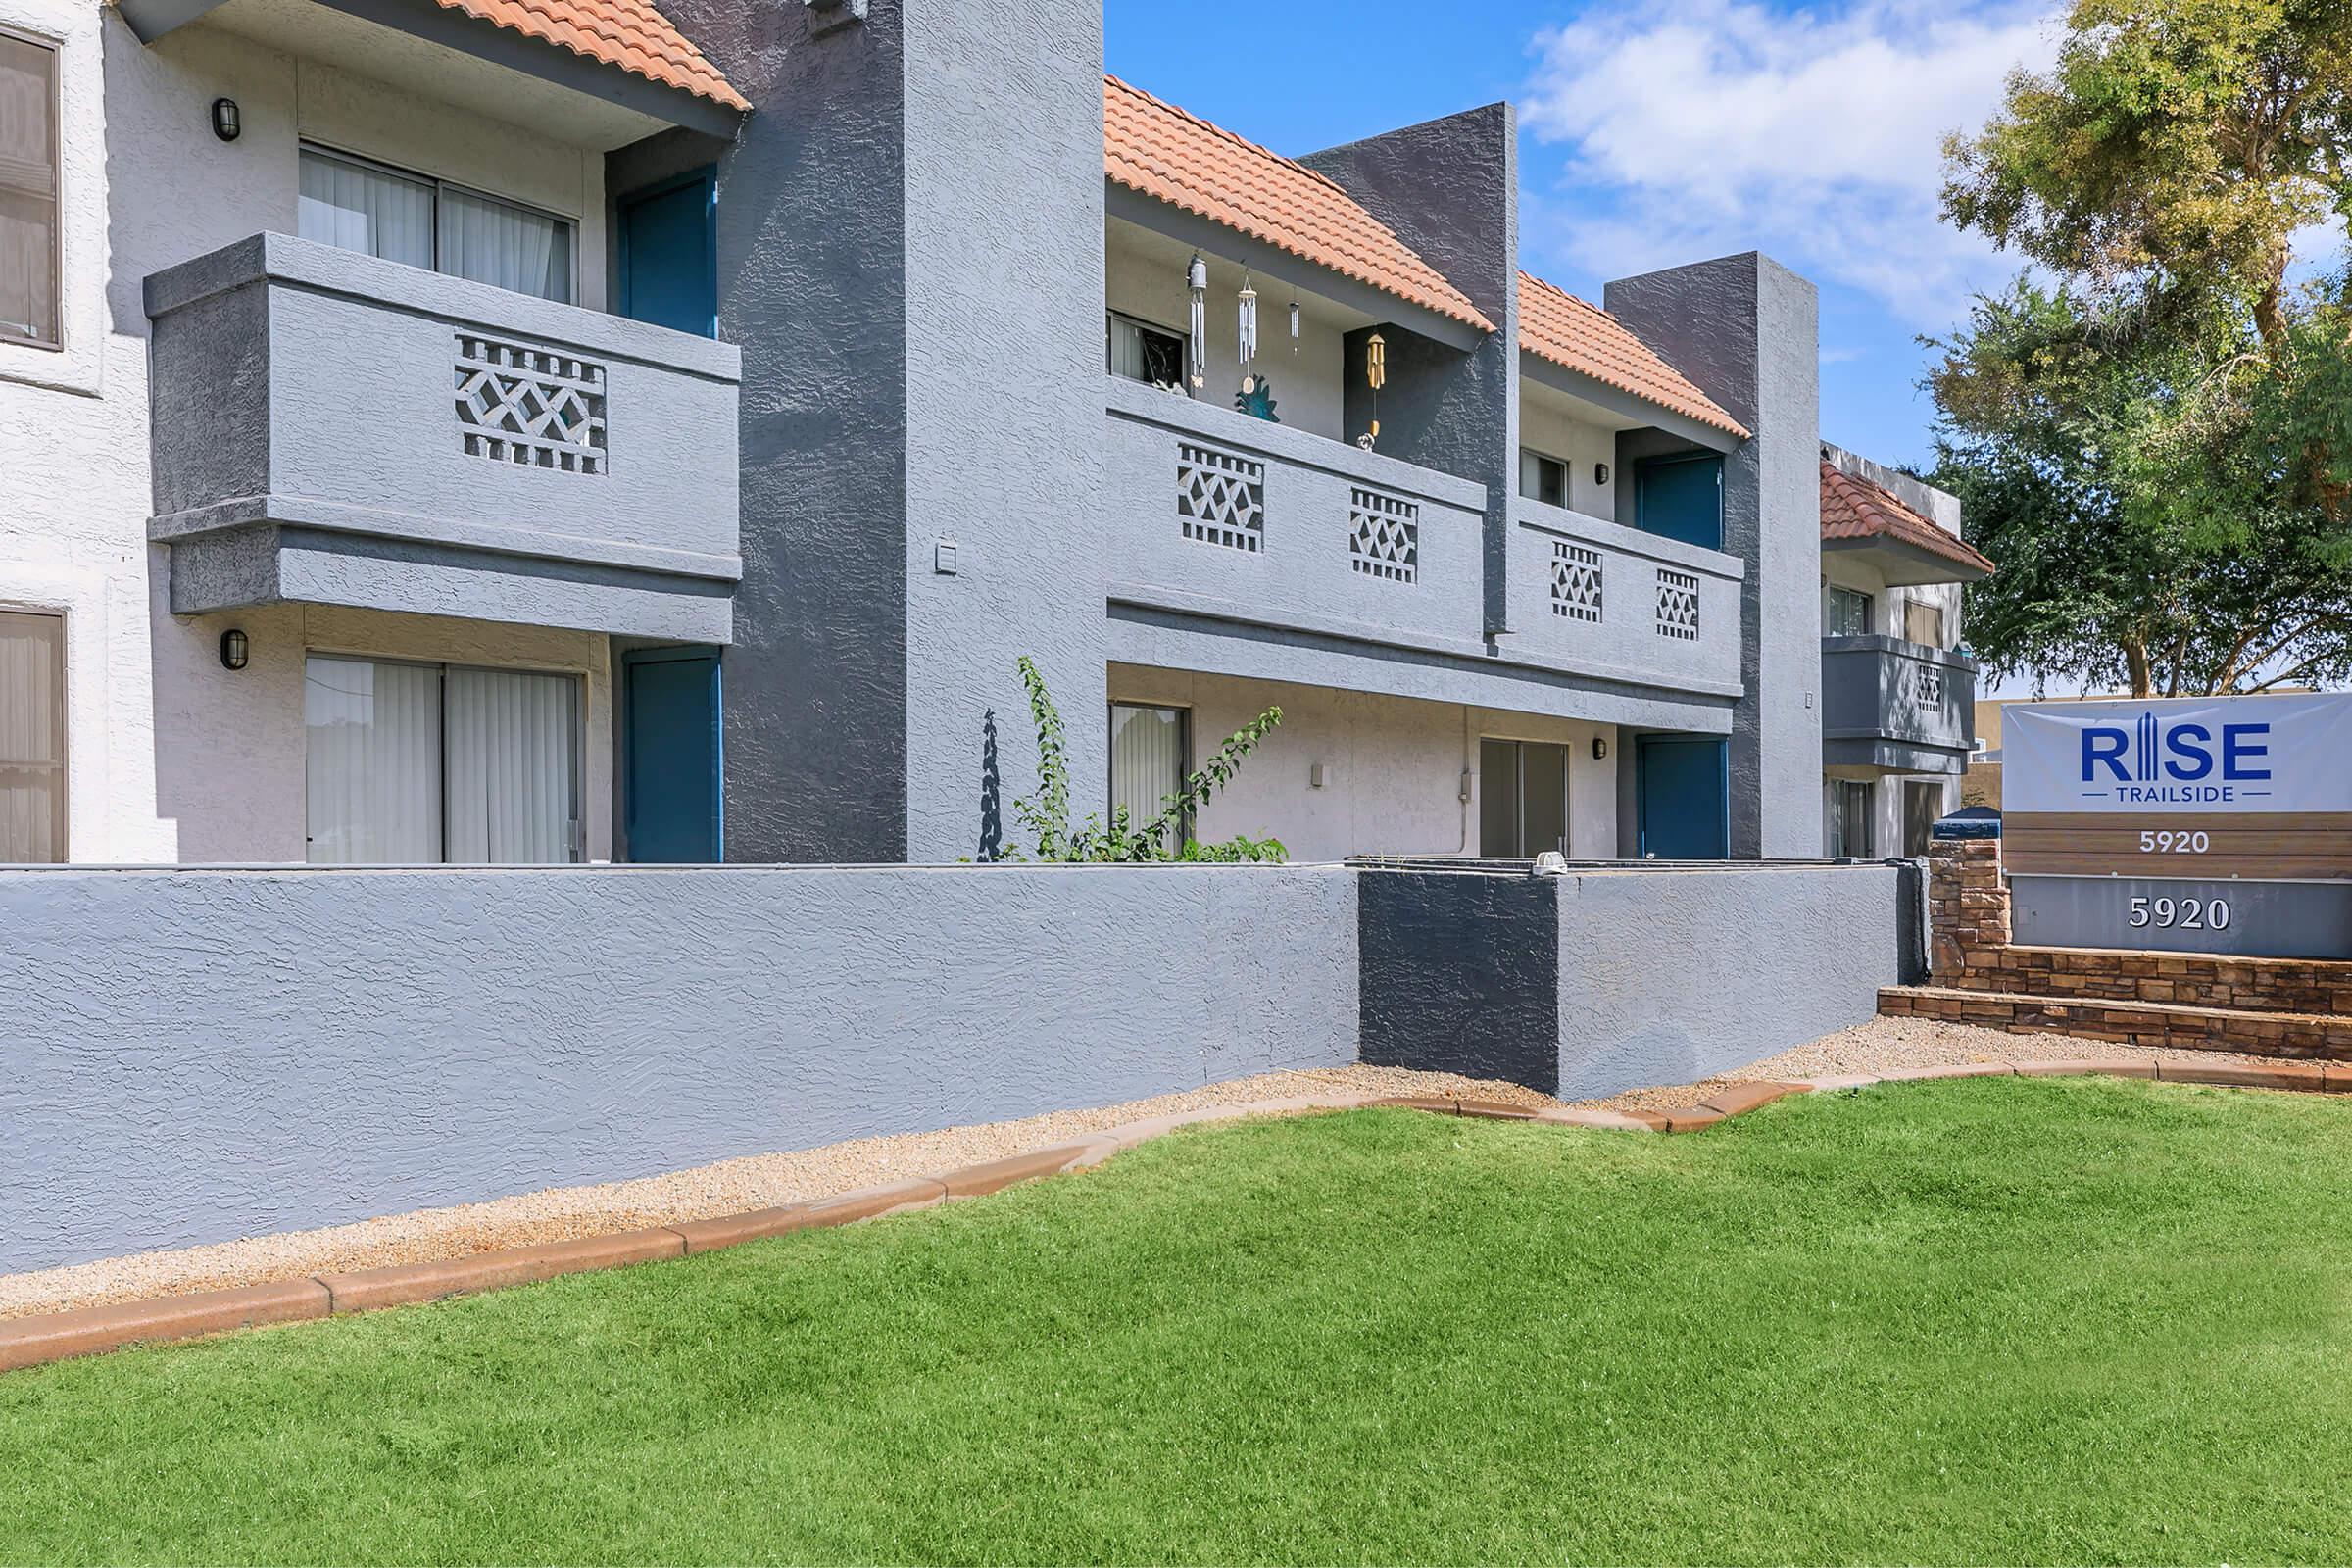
[(227, 124), (1601, 749), (1468, 779), (235, 650), (1315, 776), (1601, 474)]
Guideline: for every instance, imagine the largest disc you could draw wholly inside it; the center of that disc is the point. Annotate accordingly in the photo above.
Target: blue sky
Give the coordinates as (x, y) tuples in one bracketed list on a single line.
[(1660, 132)]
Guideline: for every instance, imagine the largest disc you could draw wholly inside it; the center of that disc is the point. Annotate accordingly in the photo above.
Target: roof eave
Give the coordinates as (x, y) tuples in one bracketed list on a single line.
[(1905, 565)]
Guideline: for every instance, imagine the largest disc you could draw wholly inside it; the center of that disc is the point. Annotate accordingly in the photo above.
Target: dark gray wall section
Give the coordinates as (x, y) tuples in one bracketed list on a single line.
[(812, 283), (1461, 974), (1451, 190), (1747, 330), (1669, 976), (195, 1057)]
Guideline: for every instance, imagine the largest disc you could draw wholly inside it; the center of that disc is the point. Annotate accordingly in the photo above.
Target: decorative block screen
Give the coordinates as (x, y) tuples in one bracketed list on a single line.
[(1575, 582), (1221, 496), (1678, 605), (1383, 536), (1926, 686), (530, 405)]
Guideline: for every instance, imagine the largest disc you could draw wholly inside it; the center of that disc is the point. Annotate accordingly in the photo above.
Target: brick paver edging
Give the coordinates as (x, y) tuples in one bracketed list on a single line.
[(87, 1331)]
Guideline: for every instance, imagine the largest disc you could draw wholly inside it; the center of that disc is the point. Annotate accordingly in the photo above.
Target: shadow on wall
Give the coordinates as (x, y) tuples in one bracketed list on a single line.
[(992, 792)]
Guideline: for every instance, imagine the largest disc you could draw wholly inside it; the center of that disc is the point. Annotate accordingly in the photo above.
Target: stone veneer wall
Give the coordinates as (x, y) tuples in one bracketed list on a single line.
[(1970, 949)]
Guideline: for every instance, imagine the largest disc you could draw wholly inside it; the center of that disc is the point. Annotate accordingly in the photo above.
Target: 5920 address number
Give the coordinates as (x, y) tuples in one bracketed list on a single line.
[(2180, 914)]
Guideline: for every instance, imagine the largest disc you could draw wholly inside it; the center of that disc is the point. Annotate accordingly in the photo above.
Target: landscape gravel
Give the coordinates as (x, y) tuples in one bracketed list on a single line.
[(763, 1181)]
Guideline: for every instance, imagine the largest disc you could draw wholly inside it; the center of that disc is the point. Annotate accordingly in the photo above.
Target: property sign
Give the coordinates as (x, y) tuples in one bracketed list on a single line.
[(2198, 790)]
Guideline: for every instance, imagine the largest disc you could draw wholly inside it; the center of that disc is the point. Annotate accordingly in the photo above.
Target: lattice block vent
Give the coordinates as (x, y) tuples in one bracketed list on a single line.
[(1221, 497), (1678, 605), (538, 408), (1576, 578), (1383, 536), (1927, 684)]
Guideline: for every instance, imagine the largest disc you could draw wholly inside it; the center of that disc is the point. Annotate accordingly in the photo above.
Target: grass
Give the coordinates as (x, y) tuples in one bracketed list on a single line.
[(1976, 1321)]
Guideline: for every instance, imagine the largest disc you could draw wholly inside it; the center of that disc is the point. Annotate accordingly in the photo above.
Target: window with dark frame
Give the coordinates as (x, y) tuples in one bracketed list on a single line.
[(1542, 478), (359, 205), (1923, 623), (32, 289), (1522, 798), (1849, 613), (1849, 819), (1141, 351)]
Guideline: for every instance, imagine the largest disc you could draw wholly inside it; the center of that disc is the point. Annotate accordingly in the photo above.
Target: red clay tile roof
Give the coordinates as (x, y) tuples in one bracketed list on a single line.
[(629, 33), (1555, 325), (1162, 152), (1856, 509)]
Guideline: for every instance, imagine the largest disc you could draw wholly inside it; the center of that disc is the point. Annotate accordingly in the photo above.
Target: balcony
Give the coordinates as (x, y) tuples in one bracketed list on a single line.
[(1608, 603), (1897, 706), (1226, 519), (331, 428)]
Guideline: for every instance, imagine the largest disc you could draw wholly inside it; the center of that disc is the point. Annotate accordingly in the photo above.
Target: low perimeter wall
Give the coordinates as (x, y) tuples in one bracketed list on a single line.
[(1600, 981), (197, 1055)]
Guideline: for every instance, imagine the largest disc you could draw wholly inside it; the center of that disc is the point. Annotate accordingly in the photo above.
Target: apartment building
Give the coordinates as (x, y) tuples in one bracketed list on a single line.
[(478, 433)]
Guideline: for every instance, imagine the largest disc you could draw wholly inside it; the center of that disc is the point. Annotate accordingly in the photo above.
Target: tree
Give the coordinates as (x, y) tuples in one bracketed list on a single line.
[(2156, 446), (2142, 542)]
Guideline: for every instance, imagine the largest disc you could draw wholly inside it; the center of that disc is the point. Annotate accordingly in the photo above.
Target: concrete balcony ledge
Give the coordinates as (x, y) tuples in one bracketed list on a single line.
[(1586, 528), (1896, 706), (332, 428)]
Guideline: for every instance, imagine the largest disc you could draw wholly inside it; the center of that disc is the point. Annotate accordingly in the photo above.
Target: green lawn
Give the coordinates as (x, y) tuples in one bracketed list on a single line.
[(1987, 1320)]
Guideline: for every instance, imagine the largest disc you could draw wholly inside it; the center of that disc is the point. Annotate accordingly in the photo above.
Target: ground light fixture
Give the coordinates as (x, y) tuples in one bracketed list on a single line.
[(235, 649), (228, 124)]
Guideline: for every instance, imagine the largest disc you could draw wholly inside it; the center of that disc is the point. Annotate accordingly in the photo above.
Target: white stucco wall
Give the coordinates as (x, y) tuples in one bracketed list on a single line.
[(1146, 279), (1545, 427), (170, 757), (1392, 767)]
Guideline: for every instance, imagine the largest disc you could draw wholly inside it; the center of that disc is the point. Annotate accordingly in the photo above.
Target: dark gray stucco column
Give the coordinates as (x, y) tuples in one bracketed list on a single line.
[(1451, 190), (1748, 330), (910, 255)]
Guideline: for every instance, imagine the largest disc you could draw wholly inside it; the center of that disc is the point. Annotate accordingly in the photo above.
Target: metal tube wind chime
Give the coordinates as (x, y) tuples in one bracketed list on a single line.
[(1196, 279)]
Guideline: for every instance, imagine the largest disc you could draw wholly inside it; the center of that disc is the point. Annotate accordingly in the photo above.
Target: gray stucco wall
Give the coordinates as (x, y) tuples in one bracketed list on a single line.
[(1451, 190), (199, 1055), (1747, 330), (1608, 979), (1669, 976)]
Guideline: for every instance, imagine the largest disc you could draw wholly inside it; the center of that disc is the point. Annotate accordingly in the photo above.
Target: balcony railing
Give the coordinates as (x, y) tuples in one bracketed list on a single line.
[(1227, 518), (328, 427), (1896, 705), (1597, 599)]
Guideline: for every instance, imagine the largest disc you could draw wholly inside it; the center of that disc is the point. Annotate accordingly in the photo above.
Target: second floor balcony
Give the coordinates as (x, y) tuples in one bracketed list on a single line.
[(333, 428), (1895, 704)]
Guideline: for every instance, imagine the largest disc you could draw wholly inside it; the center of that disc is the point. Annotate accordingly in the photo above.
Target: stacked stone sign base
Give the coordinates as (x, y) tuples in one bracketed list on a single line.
[(2263, 1007)]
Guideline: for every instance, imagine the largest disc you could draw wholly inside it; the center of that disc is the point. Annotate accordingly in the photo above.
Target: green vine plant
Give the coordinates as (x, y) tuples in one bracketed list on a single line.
[(1045, 816)]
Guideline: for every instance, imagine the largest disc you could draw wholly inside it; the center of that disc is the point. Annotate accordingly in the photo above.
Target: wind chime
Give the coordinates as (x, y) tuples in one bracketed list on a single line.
[(1196, 279), (1256, 396), (1376, 377)]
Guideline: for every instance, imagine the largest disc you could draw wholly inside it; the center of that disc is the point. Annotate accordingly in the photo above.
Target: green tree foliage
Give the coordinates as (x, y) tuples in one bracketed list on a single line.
[(2155, 444), (1045, 816)]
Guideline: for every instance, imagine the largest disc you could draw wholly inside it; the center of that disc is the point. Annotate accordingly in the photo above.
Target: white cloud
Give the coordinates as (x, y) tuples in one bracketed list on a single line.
[(1698, 127)]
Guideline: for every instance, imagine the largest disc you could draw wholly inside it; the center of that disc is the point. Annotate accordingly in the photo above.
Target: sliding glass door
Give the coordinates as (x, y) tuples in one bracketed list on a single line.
[(426, 764)]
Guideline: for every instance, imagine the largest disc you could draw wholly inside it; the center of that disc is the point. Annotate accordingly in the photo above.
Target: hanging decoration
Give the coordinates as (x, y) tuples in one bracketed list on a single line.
[(1196, 277), (1376, 377), (1246, 336), (1293, 326)]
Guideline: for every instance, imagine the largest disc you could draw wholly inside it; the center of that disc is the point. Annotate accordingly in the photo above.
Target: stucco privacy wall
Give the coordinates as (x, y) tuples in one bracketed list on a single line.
[(1607, 980), (198, 1055)]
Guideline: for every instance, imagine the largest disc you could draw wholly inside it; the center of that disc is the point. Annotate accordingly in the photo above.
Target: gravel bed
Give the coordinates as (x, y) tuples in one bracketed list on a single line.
[(732, 1187), (1884, 1044)]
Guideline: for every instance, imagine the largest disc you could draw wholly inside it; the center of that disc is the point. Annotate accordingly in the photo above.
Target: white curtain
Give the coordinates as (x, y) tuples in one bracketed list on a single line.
[(1126, 350), (507, 246), (27, 190), (513, 793), (374, 734), (368, 209), (1146, 759), (32, 774)]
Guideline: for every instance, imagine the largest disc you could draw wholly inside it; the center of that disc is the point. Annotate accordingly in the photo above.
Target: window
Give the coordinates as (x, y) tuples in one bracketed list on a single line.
[(1141, 351), (1522, 798), (424, 765), (1923, 623), (1849, 613), (32, 738), (1542, 478), (1922, 804), (29, 164), (422, 222), (1146, 759), (1849, 819)]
